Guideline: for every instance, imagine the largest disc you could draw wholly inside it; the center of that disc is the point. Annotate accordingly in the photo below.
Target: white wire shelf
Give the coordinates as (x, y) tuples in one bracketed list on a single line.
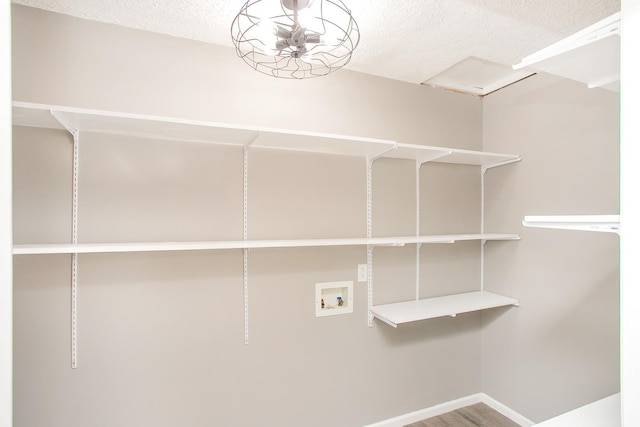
[(450, 305), (600, 223), (591, 56), (425, 153), (168, 128), (69, 248)]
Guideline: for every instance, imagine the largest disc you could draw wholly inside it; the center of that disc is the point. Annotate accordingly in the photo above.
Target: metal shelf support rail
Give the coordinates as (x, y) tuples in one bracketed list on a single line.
[(245, 235), (369, 236), (245, 251), (419, 163), (74, 238), (370, 159), (483, 171)]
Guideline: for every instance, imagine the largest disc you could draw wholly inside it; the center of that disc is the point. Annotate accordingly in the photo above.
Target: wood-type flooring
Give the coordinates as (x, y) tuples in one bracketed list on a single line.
[(478, 415)]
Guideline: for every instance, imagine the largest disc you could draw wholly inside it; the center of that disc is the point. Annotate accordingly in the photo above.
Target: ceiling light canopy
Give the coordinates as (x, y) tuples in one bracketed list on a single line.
[(295, 39)]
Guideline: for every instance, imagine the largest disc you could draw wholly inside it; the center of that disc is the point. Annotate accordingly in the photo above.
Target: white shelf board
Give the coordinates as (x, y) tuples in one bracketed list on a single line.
[(460, 237), (603, 412), (450, 305), (69, 248), (601, 223), (88, 120), (426, 153), (167, 128), (591, 56)]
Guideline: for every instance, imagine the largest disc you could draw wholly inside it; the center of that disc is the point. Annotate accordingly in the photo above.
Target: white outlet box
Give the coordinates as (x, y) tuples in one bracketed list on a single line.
[(334, 298), (362, 272)]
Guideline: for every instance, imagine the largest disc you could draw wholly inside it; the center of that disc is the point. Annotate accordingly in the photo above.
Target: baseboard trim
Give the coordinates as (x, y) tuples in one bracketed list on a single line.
[(452, 405), (506, 411)]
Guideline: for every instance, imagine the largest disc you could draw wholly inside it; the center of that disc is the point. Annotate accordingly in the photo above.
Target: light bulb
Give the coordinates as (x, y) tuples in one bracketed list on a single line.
[(266, 32), (307, 19)]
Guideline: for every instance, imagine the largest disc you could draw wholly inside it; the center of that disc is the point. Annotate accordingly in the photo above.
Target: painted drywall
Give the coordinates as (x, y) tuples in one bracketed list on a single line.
[(161, 335), (560, 349)]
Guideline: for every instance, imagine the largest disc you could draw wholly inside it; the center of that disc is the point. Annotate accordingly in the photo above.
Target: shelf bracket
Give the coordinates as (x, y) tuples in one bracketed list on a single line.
[(496, 164), (380, 153), (250, 142), (432, 157), (74, 237)]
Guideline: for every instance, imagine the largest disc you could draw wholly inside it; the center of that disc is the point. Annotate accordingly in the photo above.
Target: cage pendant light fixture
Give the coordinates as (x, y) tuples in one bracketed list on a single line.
[(295, 39)]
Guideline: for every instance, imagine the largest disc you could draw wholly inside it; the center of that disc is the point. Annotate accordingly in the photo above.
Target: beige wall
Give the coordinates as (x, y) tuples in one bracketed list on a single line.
[(560, 349), (161, 335)]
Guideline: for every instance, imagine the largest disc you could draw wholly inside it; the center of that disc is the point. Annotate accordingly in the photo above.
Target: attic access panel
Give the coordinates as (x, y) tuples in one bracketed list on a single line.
[(476, 76)]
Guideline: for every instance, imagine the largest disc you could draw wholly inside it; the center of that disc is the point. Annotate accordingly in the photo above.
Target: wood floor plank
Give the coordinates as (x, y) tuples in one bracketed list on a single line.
[(478, 415)]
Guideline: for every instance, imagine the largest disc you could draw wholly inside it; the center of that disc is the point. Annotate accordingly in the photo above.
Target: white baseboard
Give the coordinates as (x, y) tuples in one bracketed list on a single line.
[(506, 411), (452, 405)]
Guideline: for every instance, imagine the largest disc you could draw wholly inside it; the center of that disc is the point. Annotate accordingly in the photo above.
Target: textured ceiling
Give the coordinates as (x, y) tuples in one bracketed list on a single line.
[(411, 40)]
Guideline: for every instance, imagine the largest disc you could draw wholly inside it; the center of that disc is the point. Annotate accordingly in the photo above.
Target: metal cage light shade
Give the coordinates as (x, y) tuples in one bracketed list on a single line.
[(295, 39)]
